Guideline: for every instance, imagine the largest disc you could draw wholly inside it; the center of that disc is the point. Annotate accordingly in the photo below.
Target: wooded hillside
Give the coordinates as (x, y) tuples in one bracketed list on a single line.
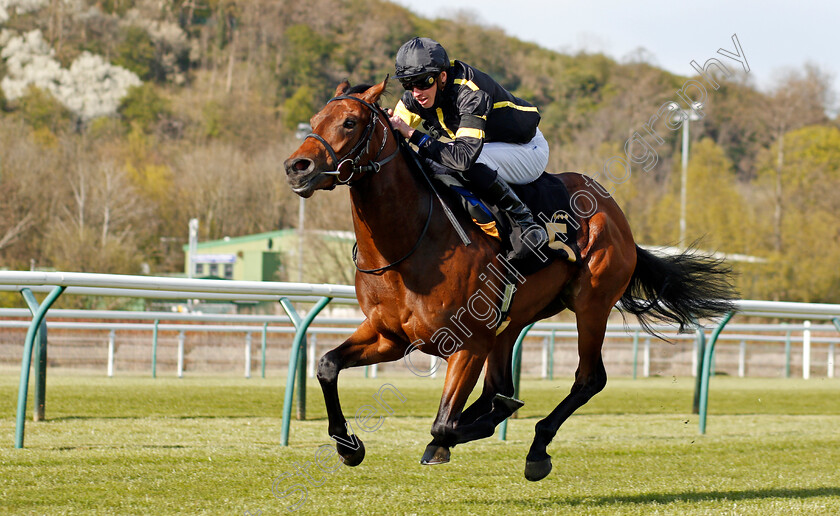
[(123, 119)]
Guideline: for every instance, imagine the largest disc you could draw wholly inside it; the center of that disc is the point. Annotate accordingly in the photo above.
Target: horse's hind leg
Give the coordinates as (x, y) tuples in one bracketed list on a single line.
[(463, 370), (364, 347), (495, 404), (590, 379), (498, 379)]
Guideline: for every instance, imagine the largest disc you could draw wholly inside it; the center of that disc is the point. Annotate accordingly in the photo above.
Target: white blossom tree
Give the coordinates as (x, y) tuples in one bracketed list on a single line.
[(90, 88), (20, 6)]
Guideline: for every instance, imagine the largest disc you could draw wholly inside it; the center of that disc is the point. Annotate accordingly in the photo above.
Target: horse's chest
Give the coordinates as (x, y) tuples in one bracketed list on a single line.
[(437, 316)]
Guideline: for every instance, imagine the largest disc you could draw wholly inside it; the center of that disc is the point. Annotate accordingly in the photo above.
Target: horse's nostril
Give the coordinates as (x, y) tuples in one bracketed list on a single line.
[(302, 164)]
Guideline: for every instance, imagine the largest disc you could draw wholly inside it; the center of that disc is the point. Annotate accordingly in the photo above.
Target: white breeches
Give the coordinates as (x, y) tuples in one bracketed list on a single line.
[(516, 163)]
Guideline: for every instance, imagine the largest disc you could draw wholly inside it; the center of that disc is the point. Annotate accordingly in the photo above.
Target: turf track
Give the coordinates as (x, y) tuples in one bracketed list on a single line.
[(133, 445)]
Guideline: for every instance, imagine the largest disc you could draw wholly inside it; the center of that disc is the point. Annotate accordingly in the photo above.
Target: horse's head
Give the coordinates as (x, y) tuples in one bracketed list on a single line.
[(344, 144)]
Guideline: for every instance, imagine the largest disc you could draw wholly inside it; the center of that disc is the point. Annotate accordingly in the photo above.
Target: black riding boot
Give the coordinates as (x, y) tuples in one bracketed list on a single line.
[(533, 236)]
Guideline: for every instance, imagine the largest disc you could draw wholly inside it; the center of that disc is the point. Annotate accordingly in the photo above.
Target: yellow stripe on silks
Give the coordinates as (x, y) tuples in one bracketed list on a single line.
[(469, 132), (507, 103), (471, 85), (407, 116), (440, 119)]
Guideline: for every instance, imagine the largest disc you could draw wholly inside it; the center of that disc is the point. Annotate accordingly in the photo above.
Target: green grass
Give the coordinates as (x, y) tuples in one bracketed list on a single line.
[(133, 445)]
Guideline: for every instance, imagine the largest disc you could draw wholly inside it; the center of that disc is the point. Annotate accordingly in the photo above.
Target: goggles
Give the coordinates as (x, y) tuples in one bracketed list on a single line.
[(422, 82)]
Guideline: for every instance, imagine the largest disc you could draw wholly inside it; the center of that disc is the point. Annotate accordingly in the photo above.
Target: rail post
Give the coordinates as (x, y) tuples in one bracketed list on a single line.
[(707, 368), (787, 353), (248, 343), (551, 355), (180, 354), (26, 362), (806, 351), (154, 348), (517, 369), (698, 373), (544, 372), (313, 352), (298, 344), (836, 321), (635, 352), (112, 336), (41, 353), (262, 349)]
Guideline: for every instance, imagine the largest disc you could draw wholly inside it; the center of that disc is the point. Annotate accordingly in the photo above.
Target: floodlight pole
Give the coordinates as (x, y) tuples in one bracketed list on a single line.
[(684, 180), (688, 116)]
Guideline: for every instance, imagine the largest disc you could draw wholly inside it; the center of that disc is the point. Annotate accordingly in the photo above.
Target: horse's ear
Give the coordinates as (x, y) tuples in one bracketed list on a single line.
[(344, 86), (374, 92)]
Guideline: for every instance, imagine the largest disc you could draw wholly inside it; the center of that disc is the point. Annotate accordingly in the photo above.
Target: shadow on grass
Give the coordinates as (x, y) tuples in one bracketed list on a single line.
[(148, 416), (667, 498), (121, 447)]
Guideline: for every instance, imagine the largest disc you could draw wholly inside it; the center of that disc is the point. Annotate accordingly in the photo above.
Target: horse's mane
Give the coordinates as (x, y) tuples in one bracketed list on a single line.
[(359, 88)]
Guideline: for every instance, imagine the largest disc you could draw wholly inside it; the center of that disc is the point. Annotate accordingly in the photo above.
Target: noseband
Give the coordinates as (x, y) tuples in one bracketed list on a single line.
[(362, 146)]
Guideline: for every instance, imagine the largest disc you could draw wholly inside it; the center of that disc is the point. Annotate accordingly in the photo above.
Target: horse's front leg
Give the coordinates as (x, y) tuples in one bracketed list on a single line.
[(364, 347), (462, 372)]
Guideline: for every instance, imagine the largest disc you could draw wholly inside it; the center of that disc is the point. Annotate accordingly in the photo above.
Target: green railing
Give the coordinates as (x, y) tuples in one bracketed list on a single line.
[(140, 286), (145, 286)]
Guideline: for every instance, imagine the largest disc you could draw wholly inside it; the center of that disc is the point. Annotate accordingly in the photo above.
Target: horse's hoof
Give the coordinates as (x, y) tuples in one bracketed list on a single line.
[(349, 455), (537, 470), (435, 455), (510, 405)]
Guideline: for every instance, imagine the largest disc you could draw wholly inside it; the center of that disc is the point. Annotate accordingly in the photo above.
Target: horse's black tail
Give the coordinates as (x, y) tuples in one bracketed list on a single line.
[(681, 288)]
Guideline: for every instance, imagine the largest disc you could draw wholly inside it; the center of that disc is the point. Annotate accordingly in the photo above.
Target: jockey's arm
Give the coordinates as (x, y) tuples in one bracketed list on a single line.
[(459, 154), (403, 120)]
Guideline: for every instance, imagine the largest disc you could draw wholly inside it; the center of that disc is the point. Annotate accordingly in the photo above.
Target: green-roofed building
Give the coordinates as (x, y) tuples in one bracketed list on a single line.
[(273, 256)]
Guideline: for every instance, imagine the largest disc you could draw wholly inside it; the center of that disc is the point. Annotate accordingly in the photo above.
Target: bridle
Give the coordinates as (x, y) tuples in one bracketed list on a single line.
[(354, 155), (363, 147)]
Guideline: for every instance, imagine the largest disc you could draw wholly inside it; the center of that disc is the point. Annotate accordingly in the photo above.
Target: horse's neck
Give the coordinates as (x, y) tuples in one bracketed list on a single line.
[(389, 212)]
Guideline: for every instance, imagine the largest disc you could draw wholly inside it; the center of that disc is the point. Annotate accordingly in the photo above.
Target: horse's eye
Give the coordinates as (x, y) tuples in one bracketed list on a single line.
[(349, 124)]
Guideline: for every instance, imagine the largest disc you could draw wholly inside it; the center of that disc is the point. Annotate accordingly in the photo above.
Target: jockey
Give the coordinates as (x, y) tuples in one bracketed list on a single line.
[(494, 136)]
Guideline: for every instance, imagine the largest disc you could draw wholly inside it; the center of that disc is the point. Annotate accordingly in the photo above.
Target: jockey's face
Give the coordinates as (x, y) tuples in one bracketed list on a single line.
[(426, 98)]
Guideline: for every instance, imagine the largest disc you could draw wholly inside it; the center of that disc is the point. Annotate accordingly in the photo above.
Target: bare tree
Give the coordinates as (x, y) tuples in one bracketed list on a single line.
[(799, 99), (13, 233)]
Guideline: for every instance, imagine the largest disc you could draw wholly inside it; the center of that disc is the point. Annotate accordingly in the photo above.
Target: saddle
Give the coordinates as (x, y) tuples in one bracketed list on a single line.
[(549, 202)]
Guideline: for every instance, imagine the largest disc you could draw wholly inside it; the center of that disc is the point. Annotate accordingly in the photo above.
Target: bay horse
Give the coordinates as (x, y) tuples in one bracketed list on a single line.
[(415, 277)]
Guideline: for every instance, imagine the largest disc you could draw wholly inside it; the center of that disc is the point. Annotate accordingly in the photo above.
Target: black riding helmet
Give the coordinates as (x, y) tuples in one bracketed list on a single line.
[(420, 56)]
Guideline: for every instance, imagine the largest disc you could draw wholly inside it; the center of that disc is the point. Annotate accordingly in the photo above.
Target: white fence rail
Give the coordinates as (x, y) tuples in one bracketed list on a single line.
[(541, 338), (171, 288)]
